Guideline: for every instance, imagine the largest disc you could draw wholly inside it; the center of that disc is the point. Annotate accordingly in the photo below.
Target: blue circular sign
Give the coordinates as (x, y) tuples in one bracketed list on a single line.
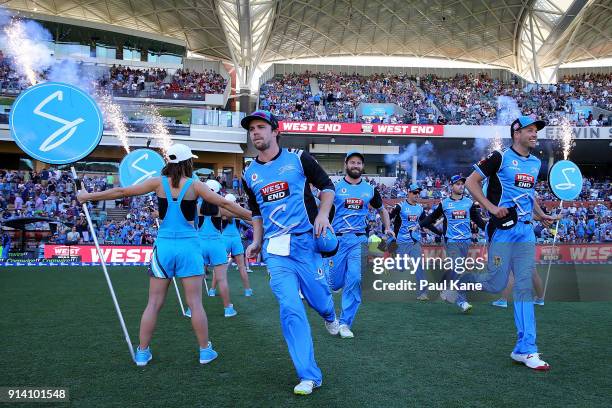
[(140, 165), (565, 180), (56, 123)]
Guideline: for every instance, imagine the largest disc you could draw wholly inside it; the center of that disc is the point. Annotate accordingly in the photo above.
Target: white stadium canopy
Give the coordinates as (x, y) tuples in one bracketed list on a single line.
[(530, 37)]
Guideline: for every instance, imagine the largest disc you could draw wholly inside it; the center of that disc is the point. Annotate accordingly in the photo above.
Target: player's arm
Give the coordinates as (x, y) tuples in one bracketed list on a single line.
[(429, 220), (476, 217), (540, 215), (377, 203), (230, 214), (119, 192), (430, 227), (396, 218), (484, 169), (255, 247), (316, 175), (213, 198)]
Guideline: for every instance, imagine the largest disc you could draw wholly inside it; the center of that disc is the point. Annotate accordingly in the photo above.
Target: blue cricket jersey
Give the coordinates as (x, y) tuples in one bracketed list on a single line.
[(278, 191), (511, 180), (351, 205), (457, 216)]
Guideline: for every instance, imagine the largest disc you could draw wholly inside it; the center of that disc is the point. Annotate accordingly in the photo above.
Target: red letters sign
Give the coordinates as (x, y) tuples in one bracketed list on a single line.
[(361, 129)]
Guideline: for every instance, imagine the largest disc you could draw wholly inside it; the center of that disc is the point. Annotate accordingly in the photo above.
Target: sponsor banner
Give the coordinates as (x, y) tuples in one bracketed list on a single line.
[(51, 262), (361, 129), (549, 132), (111, 253), (57, 262), (560, 253)]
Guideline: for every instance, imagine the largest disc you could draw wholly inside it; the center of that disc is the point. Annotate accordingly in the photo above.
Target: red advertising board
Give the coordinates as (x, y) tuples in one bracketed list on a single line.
[(560, 253), (361, 129), (111, 253)]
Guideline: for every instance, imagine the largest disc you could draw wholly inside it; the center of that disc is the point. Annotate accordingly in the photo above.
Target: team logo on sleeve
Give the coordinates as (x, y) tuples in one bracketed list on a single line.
[(353, 203), (523, 180), (459, 214), (275, 191)]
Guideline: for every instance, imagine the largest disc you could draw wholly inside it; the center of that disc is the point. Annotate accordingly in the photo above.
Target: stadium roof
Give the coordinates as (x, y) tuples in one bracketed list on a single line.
[(522, 35)]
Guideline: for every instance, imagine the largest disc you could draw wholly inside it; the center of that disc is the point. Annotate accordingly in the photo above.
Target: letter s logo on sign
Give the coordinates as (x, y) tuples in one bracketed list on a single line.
[(275, 191)]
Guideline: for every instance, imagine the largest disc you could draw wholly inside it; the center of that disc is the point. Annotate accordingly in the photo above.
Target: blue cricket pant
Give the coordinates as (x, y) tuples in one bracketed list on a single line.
[(456, 250), (512, 250), (413, 250), (345, 274), (302, 269)]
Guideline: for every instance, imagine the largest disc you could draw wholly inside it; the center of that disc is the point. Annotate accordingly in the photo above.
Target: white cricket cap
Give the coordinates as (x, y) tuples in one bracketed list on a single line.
[(230, 197), (179, 152), (214, 185)]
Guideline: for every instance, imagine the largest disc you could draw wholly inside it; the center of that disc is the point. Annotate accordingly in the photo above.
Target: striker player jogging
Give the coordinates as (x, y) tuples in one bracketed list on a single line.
[(510, 200), (458, 212), (284, 217), (406, 217), (351, 209)]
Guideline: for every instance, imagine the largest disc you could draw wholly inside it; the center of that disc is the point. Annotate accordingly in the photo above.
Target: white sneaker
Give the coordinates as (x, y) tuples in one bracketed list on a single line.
[(332, 327), (305, 387), (345, 332), (449, 296), (464, 306), (423, 296), (532, 360)]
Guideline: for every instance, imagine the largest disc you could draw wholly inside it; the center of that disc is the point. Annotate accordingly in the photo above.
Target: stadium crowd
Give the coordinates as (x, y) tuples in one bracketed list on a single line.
[(464, 99), (50, 194), (130, 81), (127, 81)]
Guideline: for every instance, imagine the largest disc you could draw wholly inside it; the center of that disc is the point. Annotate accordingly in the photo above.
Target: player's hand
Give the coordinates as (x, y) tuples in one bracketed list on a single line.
[(389, 233), (82, 196), (253, 250), (548, 220), (499, 212), (321, 225)]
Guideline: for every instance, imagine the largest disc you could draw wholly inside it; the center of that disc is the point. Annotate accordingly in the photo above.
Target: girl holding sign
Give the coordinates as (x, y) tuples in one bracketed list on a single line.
[(177, 248)]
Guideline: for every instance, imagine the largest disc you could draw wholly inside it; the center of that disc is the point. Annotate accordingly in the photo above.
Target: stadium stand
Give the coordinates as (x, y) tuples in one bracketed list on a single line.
[(464, 99)]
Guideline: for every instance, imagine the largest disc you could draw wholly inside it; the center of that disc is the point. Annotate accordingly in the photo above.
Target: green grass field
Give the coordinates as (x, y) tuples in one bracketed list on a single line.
[(59, 328)]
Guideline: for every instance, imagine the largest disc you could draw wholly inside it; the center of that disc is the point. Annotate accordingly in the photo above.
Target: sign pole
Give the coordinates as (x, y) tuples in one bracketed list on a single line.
[(103, 263), (553, 246), (565, 182)]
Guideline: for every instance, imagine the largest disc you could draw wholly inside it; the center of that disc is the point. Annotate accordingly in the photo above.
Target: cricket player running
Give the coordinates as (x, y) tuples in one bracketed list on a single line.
[(457, 211), (176, 252), (285, 222), (353, 196), (510, 200), (406, 216)]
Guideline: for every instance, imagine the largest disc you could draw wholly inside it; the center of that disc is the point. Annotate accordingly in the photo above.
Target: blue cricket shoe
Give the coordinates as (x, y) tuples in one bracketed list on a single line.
[(207, 354), (143, 357)]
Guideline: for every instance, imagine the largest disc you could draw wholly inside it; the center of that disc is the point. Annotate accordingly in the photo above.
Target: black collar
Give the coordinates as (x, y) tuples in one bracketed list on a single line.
[(280, 150), (356, 184), (518, 154)]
